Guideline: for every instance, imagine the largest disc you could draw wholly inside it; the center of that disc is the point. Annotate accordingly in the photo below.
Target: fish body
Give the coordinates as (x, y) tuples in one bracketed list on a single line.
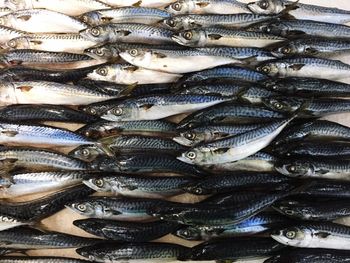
[(7, 222), (41, 259), (136, 3)]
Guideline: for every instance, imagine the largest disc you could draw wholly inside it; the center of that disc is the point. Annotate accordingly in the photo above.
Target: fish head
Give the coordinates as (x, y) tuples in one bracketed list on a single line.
[(197, 189), (18, 4), (283, 104), (97, 34), (191, 38), (287, 49), (86, 153), (97, 109), (266, 7), (292, 236), (139, 56), (189, 233), (84, 208), (121, 112), (99, 184), (180, 7), (103, 73), (93, 18), (281, 85), (270, 68), (167, 213), (197, 155), (100, 53), (291, 168), (188, 138), (103, 163), (19, 43), (175, 23), (294, 209)]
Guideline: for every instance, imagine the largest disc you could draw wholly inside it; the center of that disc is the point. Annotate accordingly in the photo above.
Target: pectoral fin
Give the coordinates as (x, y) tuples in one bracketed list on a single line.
[(137, 4), (322, 234), (9, 133), (106, 19), (202, 4), (221, 150), (159, 55), (24, 88), (36, 42), (147, 106), (214, 36), (297, 67), (124, 32), (24, 17)]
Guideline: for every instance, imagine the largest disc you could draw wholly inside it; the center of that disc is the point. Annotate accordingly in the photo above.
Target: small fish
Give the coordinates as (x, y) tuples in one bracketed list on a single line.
[(7, 33), (211, 36), (42, 21), (137, 3), (207, 7), (44, 92), (41, 259), (29, 238), (106, 128), (152, 107), (138, 185), (54, 42), (46, 60), (305, 67), (308, 87), (73, 8), (126, 231), (184, 22), (190, 60), (314, 235), (145, 252), (142, 15), (128, 32), (128, 74)]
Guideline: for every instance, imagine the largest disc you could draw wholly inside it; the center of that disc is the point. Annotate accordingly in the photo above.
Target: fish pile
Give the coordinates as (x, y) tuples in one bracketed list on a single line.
[(189, 130)]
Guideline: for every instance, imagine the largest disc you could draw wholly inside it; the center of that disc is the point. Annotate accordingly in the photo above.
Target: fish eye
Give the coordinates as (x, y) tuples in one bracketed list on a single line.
[(185, 233), (291, 234), (117, 111), (265, 69), (85, 19), (12, 43), (176, 6), (99, 52), (263, 4), (133, 52), (274, 87), (93, 111), (292, 168), (171, 22), (278, 105), (190, 135), (102, 71), (85, 152), (286, 50), (81, 207), (289, 212), (95, 32), (198, 191), (191, 155), (99, 182), (188, 35)]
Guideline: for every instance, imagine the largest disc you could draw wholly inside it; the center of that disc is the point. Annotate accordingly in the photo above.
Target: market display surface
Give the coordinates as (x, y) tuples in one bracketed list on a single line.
[(173, 131)]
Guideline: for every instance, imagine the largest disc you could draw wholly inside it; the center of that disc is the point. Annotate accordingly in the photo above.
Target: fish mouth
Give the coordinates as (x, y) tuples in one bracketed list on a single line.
[(178, 39), (183, 141), (184, 159), (88, 183), (277, 54), (110, 117)]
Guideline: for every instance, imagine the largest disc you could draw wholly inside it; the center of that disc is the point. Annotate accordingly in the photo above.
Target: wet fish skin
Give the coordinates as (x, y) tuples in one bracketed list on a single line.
[(36, 113), (8, 222), (314, 235), (146, 252), (36, 259), (126, 231), (142, 15), (8, 33), (328, 189), (138, 185), (136, 3)]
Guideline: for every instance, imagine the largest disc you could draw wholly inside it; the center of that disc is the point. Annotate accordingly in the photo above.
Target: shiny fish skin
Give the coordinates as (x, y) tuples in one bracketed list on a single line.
[(184, 22), (38, 113), (330, 189), (224, 37), (126, 231), (70, 42), (128, 32), (138, 185), (44, 92), (29, 238), (46, 206), (8, 222), (41, 20), (145, 252), (314, 235), (7, 34), (32, 183), (46, 59), (142, 15), (207, 6), (72, 8), (145, 3), (106, 128), (41, 259)]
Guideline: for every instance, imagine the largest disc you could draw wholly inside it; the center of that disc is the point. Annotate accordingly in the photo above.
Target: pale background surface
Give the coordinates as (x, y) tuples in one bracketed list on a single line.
[(62, 221)]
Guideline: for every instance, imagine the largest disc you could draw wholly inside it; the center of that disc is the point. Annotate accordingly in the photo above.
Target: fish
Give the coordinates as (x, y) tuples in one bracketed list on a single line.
[(308, 87), (255, 94), (46, 60), (107, 128), (87, 153), (314, 235), (260, 223), (29, 238), (128, 32), (37, 159), (114, 208), (8, 222), (42, 259), (73, 8), (152, 107), (128, 74), (311, 255), (32, 183), (190, 60), (236, 198), (236, 147), (137, 3), (191, 21), (211, 36), (5, 251), (54, 42), (315, 130), (142, 15), (138, 185), (39, 113), (42, 21), (38, 209), (147, 252), (326, 210), (209, 133), (305, 67), (8, 33), (4, 11), (126, 231), (231, 112), (299, 10), (327, 189), (222, 7), (231, 182), (153, 163), (237, 248), (40, 136), (314, 168), (45, 92)]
